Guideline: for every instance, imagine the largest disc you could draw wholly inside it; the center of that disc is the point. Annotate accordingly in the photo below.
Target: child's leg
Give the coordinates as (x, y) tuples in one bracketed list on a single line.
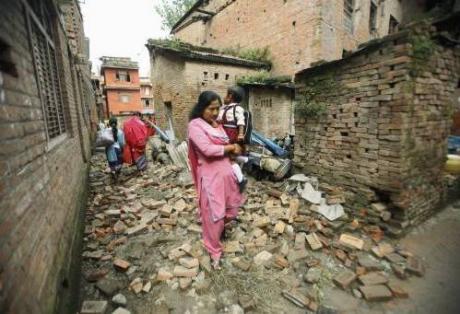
[(237, 171)]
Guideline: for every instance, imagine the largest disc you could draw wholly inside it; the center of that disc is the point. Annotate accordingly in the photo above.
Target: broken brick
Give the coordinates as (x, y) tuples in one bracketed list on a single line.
[(314, 241), (344, 278), (376, 293), (374, 278), (181, 271), (415, 266), (397, 290), (121, 264), (351, 241), (189, 262)]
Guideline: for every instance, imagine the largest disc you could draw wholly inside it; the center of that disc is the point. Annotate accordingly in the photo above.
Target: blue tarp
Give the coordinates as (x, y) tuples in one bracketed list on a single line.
[(453, 144), (268, 144)]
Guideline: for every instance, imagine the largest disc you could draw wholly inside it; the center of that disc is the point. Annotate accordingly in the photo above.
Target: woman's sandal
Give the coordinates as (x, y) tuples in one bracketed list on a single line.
[(216, 265)]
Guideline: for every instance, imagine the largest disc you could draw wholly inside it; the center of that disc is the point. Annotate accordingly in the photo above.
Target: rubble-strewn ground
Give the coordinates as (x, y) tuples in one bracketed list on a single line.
[(142, 241)]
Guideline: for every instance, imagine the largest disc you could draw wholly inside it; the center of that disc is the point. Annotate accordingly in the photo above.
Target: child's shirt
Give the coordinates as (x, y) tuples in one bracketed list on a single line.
[(230, 117)]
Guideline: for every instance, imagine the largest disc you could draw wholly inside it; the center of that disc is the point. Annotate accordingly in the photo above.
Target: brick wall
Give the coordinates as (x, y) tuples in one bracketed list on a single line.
[(383, 135), (271, 110), (298, 32), (42, 183), (180, 82)]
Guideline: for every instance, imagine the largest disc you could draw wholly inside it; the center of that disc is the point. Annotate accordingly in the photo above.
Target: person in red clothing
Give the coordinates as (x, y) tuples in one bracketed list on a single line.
[(149, 120), (136, 135)]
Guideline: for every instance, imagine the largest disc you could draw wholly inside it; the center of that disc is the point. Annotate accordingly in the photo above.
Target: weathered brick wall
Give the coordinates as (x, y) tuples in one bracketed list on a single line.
[(41, 188), (298, 32), (272, 110), (180, 82), (383, 136)]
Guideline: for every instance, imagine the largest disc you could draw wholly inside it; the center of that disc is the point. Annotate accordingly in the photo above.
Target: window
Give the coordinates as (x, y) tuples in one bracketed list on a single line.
[(348, 9), (146, 102), (205, 76), (42, 44), (216, 76), (227, 76), (125, 98), (123, 76), (373, 17), (394, 25)]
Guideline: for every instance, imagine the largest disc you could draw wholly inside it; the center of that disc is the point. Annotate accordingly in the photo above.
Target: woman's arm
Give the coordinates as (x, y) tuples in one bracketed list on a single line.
[(208, 148)]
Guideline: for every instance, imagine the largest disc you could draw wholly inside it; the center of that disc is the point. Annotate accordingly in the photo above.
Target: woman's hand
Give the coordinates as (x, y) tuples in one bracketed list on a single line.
[(238, 149), (233, 149)]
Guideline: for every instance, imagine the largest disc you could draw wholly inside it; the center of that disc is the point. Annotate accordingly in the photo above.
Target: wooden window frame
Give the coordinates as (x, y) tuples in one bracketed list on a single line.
[(48, 76), (373, 8)]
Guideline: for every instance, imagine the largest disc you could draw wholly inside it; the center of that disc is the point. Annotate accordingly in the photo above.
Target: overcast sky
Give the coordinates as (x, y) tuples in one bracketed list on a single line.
[(120, 28)]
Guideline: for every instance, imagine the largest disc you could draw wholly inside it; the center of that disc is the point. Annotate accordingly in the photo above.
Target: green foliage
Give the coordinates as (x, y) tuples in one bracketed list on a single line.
[(313, 101), (263, 77), (177, 44), (423, 48), (254, 54), (172, 10)]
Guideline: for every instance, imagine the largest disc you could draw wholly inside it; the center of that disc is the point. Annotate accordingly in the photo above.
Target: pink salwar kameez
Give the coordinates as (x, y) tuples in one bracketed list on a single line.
[(218, 193)]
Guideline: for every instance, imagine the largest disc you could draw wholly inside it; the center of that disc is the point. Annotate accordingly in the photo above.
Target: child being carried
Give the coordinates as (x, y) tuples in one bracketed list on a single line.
[(231, 116)]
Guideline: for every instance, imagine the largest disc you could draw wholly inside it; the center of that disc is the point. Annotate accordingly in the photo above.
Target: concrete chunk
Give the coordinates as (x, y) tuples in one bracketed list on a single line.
[(94, 307)]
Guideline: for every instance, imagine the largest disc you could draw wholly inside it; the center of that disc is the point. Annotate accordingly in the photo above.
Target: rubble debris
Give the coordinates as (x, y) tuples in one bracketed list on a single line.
[(94, 307), (345, 278), (121, 310), (373, 278), (376, 293), (314, 241), (181, 271), (351, 241), (121, 265), (263, 258), (415, 266), (119, 299), (397, 290), (136, 285), (296, 298), (277, 229)]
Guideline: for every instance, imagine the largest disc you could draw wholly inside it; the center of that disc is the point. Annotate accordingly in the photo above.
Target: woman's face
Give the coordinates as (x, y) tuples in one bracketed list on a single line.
[(212, 111)]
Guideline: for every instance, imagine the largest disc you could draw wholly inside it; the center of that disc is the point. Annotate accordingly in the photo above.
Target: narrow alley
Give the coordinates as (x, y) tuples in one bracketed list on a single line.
[(143, 251)]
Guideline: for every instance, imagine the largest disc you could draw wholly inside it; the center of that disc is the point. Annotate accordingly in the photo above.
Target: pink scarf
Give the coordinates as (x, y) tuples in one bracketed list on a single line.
[(216, 135)]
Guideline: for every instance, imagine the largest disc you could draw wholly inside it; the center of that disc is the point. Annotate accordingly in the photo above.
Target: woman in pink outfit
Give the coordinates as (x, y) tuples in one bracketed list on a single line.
[(218, 194)]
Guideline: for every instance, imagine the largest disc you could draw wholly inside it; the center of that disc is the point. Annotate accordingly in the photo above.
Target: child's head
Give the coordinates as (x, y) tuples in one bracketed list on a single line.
[(235, 94)]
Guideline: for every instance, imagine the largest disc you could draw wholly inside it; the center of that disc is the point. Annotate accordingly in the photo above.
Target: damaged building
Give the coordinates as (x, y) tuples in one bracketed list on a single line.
[(377, 121), (289, 35), (180, 72), (47, 113)]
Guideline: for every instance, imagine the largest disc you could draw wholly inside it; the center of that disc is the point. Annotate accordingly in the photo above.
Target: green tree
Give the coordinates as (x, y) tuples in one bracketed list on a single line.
[(172, 10)]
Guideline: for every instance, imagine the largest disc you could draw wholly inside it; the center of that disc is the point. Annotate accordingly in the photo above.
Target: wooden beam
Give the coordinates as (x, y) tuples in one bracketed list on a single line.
[(205, 12)]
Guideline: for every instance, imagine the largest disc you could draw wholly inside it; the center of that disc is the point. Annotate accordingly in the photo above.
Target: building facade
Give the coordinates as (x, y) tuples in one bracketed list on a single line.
[(45, 105), (272, 108), (121, 85), (147, 94), (297, 32)]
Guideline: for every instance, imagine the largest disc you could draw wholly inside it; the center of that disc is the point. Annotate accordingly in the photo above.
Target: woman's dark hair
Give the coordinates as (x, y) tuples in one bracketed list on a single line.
[(204, 100), (113, 124)]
